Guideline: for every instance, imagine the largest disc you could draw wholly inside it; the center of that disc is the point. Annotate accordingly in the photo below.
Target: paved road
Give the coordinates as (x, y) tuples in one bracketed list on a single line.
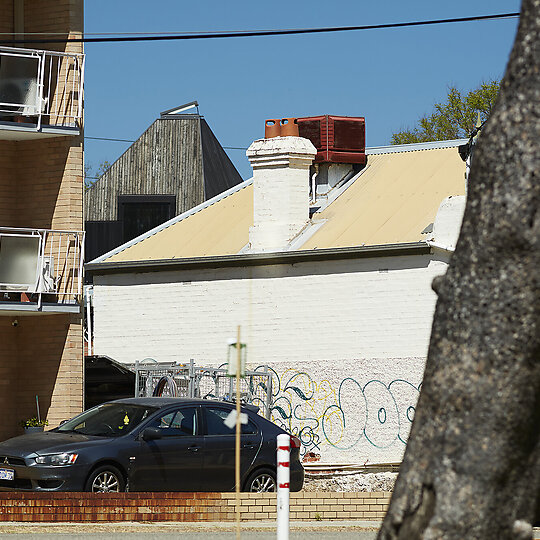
[(309, 531)]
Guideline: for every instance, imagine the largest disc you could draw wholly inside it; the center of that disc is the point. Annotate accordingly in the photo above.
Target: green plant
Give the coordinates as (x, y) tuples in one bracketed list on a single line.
[(34, 422), (318, 517)]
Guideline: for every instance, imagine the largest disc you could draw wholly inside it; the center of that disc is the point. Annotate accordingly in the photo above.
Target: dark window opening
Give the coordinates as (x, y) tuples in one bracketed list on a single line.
[(138, 214)]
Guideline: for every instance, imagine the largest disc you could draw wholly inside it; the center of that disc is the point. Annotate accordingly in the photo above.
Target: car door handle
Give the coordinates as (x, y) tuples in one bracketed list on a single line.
[(248, 445), (194, 448)]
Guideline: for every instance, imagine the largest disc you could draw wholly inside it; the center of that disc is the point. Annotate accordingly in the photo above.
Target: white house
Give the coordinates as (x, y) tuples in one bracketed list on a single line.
[(334, 294)]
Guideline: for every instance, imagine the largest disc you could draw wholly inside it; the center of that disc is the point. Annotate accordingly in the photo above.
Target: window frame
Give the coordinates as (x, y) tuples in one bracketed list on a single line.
[(233, 432), (175, 410)]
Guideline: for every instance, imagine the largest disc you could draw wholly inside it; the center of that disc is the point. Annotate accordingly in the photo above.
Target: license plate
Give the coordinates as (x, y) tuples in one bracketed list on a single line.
[(7, 474)]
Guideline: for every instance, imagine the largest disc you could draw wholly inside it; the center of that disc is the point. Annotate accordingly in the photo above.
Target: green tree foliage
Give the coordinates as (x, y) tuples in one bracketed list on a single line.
[(453, 119), (89, 178)]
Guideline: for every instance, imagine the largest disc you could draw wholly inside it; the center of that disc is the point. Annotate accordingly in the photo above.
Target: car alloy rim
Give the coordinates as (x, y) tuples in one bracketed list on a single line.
[(105, 482), (263, 483)]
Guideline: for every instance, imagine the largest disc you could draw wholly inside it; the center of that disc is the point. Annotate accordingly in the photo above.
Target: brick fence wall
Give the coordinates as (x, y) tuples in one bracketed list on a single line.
[(117, 507)]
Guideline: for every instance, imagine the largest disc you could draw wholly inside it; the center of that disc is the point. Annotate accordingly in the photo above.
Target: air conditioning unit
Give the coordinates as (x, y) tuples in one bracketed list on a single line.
[(338, 139), (19, 90)]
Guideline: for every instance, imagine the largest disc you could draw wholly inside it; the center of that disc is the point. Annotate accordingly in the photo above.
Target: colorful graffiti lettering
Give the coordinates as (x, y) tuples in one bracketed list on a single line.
[(341, 415)]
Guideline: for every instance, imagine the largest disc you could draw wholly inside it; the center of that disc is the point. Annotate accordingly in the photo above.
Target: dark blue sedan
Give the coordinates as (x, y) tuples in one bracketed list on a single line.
[(148, 444)]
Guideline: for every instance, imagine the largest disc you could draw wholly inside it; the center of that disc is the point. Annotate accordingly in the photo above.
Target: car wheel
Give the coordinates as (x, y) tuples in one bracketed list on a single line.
[(105, 479), (261, 481)]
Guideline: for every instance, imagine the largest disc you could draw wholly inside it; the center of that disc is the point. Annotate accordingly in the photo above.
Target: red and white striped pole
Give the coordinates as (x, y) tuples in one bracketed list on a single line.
[(283, 485)]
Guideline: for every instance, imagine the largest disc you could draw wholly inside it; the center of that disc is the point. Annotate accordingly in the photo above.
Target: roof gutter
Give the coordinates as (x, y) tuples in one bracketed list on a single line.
[(259, 259), (435, 245)]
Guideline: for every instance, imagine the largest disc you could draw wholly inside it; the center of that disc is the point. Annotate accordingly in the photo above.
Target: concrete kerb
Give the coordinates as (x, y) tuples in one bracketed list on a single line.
[(168, 526)]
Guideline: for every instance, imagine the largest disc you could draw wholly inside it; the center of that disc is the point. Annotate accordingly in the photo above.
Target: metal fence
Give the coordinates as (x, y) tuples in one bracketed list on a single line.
[(42, 261), (189, 380), (43, 87)]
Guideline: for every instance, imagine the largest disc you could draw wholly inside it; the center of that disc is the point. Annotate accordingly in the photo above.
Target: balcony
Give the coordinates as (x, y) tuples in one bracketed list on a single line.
[(41, 93), (40, 271)]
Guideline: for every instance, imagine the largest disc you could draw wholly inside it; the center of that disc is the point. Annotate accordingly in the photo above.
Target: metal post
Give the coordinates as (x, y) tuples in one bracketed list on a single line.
[(136, 379), (268, 414), (283, 485), (230, 389), (191, 378), (238, 426), (89, 319)]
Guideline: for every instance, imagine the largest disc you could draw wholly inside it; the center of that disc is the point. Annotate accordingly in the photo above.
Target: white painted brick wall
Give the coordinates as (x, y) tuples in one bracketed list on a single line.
[(351, 410), (306, 311), (341, 331)]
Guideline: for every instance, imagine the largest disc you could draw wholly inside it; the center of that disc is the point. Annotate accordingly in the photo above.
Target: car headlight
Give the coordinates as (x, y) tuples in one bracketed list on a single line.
[(57, 459)]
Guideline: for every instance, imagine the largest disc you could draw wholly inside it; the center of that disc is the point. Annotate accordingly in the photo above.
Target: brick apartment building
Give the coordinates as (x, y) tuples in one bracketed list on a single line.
[(41, 212)]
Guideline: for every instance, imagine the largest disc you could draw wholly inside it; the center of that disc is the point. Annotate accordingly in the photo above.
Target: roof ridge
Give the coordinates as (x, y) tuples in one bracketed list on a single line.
[(413, 147)]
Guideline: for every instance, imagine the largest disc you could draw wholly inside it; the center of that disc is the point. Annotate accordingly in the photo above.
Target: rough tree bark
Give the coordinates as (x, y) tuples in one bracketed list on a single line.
[(472, 465)]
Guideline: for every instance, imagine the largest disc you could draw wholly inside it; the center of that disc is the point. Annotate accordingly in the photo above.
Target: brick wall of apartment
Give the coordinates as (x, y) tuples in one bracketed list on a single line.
[(6, 16), (50, 183), (8, 377), (151, 507), (41, 355), (46, 16), (55, 16), (41, 186), (8, 184), (50, 366)]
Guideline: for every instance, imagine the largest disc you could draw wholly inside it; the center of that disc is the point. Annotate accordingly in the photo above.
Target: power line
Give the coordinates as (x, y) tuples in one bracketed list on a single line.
[(131, 141), (108, 139), (262, 33)]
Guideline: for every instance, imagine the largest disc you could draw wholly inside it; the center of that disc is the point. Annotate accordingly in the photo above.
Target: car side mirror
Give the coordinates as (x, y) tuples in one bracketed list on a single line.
[(151, 434), (62, 422)]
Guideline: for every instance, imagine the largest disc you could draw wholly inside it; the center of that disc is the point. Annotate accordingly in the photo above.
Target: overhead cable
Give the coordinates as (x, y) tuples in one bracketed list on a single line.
[(261, 33), (132, 141)]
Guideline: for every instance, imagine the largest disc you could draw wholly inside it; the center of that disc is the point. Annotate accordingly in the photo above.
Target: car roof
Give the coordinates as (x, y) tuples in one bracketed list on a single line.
[(160, 402)]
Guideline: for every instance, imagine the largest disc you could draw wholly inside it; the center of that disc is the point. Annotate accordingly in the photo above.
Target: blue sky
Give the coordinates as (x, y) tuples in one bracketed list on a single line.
[(390, 76)]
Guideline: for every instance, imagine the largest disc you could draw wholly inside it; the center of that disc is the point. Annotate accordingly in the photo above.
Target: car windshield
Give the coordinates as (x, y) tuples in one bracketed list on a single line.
[(107, 420)]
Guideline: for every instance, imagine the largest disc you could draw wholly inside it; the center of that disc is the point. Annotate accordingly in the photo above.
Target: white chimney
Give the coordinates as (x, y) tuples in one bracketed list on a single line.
[(280, 190)]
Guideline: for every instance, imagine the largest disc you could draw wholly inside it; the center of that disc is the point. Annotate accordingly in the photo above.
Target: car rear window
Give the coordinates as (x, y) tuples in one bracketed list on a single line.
[(177, 423), (215, 417)]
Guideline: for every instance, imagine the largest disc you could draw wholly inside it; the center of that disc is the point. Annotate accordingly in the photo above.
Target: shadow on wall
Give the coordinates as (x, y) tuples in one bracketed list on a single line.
[(45, 173), (30, 357), (34, 184), (271, 271)]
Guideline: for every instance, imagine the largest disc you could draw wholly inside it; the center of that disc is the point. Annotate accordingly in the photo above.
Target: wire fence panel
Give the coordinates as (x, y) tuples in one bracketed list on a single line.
[(189, 380)]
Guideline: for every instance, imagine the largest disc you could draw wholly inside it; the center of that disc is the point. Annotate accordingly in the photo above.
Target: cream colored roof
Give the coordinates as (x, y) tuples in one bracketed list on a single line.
[(219, 229), (392, 201)]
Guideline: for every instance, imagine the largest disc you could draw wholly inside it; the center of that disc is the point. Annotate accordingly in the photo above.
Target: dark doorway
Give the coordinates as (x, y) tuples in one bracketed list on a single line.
[(140, 213)]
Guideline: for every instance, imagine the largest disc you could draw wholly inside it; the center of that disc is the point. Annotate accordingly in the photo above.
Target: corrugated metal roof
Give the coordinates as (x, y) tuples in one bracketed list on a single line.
[(391, 201), (219, 228)]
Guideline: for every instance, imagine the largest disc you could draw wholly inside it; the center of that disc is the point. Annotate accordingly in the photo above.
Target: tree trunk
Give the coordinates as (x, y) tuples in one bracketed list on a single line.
[(472, 465)]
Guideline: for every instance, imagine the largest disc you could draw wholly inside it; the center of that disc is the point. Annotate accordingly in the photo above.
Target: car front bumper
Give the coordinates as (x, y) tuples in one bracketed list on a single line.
[(36, 478)]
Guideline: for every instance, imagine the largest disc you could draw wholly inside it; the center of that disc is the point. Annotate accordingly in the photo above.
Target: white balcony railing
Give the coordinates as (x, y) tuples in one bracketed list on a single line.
[(41, 87), (40, 262)]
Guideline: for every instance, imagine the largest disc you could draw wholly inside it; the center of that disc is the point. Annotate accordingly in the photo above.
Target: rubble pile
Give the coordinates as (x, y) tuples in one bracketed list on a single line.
[(347, 481)]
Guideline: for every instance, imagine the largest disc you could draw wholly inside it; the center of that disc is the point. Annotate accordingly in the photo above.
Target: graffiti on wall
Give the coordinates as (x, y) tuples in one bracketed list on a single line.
[(343, 414)]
